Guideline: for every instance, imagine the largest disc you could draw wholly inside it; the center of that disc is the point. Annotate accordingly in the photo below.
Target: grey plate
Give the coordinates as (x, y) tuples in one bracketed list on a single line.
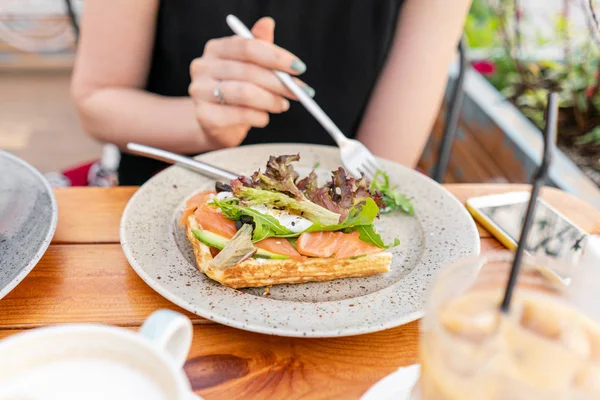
[(28, 215), (440, 231)]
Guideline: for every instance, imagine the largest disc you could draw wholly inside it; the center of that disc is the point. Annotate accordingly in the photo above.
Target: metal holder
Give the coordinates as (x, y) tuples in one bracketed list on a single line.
[(539, 179), (454, 108), (73, 18)]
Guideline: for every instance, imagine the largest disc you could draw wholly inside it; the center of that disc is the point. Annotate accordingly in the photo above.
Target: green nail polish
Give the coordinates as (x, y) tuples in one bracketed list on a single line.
[(309, 91), (298, 66)]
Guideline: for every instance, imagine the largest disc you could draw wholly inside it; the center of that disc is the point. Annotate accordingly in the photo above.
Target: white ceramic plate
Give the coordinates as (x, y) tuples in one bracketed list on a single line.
[(440, 231), (28, 215)]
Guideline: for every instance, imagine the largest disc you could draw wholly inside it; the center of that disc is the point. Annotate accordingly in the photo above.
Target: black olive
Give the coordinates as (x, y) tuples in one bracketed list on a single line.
[(246, 219), (222, 187)]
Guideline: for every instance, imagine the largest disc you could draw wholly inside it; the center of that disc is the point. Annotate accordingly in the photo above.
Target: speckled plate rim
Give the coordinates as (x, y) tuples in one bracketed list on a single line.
[(359, 315), (49, 232)]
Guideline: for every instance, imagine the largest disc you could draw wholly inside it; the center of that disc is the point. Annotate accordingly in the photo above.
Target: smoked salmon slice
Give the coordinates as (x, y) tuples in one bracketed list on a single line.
[(318, 244), (197, 201), (338, 244), (215, 222), (279, 246), (208, 216)]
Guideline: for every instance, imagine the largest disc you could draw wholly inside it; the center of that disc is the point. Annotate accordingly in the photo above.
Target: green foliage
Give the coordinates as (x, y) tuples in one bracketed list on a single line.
[(481, 34), (592, 137), (525, 81), (481, 26)]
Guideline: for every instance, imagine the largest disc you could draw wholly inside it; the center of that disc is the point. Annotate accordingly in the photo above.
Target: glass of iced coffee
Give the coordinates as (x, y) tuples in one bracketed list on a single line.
[(543, 348)]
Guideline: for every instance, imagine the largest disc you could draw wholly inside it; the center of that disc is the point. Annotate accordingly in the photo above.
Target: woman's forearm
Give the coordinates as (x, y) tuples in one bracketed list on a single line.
[(111, 70), (408, 94), (121, 115)]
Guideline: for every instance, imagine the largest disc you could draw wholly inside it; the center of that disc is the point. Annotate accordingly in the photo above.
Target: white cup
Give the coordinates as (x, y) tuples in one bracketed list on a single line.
[(92, 361)]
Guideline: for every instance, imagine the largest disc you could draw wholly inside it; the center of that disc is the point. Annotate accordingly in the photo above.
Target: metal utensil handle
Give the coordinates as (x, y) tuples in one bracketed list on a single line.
[(173, 158), (240, 29)]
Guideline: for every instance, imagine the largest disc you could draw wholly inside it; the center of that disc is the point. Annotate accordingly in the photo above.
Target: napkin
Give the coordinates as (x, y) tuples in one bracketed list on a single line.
[(398, 385), (584, 288)]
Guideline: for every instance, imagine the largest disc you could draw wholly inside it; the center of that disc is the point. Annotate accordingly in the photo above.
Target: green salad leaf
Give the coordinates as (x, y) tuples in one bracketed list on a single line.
[(360, 219), (306, 208), (367, 233), (265, 226), (392, 198), (361, 214)]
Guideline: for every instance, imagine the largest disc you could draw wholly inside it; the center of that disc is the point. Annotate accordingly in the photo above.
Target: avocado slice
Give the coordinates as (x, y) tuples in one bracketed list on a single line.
[(218, 242)]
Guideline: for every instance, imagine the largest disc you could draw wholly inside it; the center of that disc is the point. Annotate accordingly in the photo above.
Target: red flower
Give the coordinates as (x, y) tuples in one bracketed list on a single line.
[(484, 67), (519, 14), (590, 91)]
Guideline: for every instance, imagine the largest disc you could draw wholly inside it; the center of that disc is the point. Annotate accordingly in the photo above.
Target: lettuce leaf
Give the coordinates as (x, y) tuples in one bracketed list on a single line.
[(338, 196), (238, 249), (392, 198), (361, 219), (361, 214), (265, 226), (367, 233), (279, 176), (306, 208), (341, 193)]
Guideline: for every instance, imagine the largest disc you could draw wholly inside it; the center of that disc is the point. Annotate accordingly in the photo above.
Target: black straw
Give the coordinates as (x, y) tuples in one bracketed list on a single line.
[(538, 182)]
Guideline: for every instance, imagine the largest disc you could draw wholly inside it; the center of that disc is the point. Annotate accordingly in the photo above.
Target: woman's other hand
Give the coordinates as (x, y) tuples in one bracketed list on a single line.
[(241, 71)]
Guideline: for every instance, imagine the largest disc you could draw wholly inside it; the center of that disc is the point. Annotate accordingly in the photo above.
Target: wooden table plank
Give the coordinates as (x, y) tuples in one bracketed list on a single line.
[(255, 366), (92, 215), (82, 283)]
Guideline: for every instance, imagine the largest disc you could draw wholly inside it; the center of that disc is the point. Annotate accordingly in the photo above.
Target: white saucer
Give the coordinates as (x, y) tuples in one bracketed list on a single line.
[(396, 385)]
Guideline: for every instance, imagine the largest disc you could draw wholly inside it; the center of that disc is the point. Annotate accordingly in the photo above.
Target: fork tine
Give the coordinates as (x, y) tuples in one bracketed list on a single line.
[(368, 170), (374, 164)]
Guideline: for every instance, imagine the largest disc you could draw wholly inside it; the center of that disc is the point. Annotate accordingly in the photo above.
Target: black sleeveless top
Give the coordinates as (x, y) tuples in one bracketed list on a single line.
[(344, 44)]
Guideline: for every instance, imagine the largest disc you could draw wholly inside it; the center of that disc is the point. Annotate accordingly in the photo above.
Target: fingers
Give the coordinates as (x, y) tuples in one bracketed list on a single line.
[(215, 116), (250, 95), (239, 93), (229, 70), (264, 29), (242, 70), (259, 52)]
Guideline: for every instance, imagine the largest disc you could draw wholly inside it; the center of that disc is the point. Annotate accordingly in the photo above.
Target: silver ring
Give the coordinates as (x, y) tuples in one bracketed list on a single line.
[(218, 94)]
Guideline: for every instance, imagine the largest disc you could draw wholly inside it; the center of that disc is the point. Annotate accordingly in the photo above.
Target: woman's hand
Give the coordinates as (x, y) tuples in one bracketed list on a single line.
[(241, 70)]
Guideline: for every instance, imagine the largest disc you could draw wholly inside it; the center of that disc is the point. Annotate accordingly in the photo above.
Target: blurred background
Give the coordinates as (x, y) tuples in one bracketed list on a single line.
[(516, 49), (38, 121)]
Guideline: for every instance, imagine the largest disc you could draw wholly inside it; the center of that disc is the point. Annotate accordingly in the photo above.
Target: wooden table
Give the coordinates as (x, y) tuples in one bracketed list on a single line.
[(84, 277)]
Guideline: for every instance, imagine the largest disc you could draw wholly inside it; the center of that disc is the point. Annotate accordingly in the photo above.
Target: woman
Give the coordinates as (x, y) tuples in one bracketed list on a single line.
[(171, 75)]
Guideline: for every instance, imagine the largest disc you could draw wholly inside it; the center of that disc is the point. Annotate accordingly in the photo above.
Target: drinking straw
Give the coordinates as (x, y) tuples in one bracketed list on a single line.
[(539, 180)]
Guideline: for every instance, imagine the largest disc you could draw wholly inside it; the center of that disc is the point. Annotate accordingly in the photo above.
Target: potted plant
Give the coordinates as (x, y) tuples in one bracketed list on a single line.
[(518, 58)]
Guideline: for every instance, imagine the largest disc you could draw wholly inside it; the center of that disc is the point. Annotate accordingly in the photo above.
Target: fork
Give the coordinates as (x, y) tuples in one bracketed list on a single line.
[(355, 157)]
